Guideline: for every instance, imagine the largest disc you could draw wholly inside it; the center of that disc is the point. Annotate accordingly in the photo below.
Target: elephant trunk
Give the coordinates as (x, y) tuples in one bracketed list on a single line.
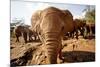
[(53, 46)]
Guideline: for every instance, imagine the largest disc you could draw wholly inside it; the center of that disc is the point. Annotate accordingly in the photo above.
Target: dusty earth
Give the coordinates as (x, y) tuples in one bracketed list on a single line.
[(81, 50)]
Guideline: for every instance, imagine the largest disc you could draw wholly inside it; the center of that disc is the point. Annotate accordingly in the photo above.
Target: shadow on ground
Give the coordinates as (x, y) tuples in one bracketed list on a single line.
[(78, 56)]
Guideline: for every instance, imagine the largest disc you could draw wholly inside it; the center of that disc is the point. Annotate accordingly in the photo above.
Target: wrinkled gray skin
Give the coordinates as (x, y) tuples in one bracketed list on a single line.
[(51, 24)]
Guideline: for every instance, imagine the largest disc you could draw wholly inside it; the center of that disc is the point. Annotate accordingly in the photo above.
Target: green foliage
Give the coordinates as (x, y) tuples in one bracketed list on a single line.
[(90, 14)]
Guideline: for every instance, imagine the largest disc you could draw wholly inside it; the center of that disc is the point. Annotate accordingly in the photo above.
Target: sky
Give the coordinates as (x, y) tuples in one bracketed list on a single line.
[(24, 10)]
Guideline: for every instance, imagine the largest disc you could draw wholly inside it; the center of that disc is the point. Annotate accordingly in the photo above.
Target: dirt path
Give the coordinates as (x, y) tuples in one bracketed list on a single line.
[(80, 45)]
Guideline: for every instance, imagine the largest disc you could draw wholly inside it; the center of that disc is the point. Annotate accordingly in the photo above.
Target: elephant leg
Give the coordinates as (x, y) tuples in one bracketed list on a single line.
[(17, 38), (86, 30), (38, 37), (35, 37), (83, 31), (76, 34), (72, 34), (73, 47), (25, 37), (93, 30), (30, 38)]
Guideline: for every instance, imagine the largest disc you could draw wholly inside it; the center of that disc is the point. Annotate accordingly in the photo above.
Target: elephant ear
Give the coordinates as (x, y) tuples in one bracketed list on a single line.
[(68, 21), (35, 19)]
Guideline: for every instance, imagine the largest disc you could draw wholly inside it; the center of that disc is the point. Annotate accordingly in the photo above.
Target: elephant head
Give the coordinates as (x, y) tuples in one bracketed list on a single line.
[(35, 20), (52, 23), (68, 21)]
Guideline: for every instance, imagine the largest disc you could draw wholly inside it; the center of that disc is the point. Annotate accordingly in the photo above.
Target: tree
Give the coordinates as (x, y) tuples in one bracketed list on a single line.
[(90, 14), (17, 21)]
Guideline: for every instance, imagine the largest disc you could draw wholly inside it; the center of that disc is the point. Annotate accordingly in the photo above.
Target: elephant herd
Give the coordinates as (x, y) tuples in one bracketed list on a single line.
[(51, 25), (25, 32)]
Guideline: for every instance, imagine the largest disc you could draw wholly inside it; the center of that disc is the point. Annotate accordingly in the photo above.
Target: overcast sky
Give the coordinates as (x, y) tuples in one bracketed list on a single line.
[(21, 9)]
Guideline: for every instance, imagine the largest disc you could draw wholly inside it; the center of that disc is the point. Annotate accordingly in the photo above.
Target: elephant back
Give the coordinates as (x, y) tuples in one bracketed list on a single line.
[(78, 23)]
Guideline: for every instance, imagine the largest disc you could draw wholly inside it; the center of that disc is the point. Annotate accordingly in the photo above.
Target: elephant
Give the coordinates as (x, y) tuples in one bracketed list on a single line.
[(25, 32), (20, 31), (35, 20), (79, 25), (31, 34), (51, 24), (93, 28), (90, 29)]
